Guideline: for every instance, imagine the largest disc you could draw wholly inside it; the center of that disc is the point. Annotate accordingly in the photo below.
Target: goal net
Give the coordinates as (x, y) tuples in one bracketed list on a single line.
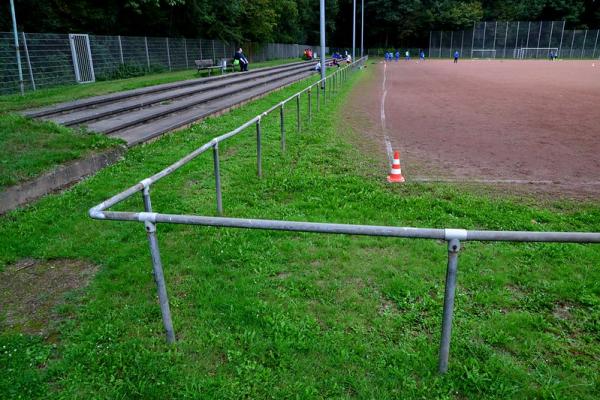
[(535, 52), (483, 53)]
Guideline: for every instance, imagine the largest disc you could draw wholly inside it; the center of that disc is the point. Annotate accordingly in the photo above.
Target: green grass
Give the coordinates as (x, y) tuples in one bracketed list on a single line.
[(28, 147), (289, 315), (59, 94)]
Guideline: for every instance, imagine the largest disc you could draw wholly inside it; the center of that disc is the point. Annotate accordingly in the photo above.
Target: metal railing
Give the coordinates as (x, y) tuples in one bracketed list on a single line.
[(323, 89)]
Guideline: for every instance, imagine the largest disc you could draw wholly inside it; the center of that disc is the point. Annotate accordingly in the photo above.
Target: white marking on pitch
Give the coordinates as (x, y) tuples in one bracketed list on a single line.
[(388, 144), (509, 181)]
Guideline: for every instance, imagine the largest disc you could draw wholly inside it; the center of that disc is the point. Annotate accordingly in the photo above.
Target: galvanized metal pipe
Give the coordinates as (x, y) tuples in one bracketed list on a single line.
[(449, 292), (159, 278), (318, 98), (258, 150), (147, 200), (217, 178), (282, 121), (309, 106), (298, 113)]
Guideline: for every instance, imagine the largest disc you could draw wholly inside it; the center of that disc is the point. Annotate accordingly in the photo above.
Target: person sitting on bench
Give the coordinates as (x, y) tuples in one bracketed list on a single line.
[(241, 57)]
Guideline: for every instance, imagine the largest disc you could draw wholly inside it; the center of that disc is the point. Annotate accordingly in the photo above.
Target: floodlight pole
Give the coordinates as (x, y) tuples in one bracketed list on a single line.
[(322, 28), (18, 52), (362, 28), (353, 30)]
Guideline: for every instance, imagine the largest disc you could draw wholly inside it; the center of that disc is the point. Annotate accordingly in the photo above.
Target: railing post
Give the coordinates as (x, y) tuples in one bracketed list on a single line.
[(258, 149), (217, 178), (298, 112), (451, 273), (282, 122), (318, 97), (157, 270), (159, 278), (309, 106)]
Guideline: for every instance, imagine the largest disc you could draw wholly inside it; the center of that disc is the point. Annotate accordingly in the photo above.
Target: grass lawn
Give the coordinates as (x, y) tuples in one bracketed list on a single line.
[(289, 315), (28, 147)]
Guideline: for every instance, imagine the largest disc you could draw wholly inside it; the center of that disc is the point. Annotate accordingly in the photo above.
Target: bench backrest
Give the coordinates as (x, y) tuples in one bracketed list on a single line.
[(204, 63)]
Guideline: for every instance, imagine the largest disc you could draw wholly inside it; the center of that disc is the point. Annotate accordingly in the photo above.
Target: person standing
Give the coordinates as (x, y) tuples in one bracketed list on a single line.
[(241, 57), (407, 55), (456, 55), (422, 55), (397, 55)]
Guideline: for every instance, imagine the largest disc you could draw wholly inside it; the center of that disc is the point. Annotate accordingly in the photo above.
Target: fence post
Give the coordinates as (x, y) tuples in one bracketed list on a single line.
[(537, 50), (495, 35), (147, 54), (282, 122), (551, 30), (157, 270), (441, 39), (462, 41), (217, 178), (451, 41), (473, 39), (596, 44), (449, 292), (187, 65), (505, 40), (584, 40), (168, 54), (429, 53), (213, 53), (517, 38), (120, 49), (28, 61), (572, 42), (484, 33), (528, 30), (561, 38)]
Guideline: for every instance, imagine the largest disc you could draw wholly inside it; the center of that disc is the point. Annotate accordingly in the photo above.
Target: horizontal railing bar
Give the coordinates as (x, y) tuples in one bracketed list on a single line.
[(181, 162), (363, 230)]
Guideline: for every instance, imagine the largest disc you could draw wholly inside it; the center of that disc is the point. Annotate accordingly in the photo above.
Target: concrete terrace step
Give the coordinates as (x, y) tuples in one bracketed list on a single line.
[(82, 115), (147, 114), (107, 98), (142, 133)]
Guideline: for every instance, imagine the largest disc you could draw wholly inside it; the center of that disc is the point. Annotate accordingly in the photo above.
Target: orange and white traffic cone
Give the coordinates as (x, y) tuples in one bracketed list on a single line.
[(395, 175)]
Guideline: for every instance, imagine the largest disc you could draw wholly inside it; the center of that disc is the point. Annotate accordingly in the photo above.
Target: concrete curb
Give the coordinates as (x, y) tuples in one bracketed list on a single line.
[(62, 176)]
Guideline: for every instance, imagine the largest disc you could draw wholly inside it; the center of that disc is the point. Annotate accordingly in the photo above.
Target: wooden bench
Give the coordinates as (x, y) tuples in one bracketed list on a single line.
[(209, 65)]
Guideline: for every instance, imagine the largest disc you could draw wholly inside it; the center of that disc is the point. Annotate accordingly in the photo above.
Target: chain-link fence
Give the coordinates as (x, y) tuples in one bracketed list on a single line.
[(520, 39), (49, 59)]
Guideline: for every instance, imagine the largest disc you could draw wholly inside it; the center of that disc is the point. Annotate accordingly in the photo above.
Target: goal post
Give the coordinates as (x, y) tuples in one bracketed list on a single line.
[(535, 52), (483, 53)]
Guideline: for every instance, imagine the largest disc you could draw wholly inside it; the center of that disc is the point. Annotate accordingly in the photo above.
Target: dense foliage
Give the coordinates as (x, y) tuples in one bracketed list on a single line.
[(297, 21)]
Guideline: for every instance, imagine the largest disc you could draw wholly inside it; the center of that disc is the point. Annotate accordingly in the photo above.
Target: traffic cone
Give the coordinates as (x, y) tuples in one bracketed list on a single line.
[(395, 175)]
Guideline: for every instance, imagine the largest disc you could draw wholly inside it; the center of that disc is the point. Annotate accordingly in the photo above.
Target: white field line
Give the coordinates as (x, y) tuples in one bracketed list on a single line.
[(508, 181), (388, 144)]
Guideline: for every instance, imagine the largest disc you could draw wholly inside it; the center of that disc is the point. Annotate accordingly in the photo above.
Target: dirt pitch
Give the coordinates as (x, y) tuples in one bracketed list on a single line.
[(526, 123)]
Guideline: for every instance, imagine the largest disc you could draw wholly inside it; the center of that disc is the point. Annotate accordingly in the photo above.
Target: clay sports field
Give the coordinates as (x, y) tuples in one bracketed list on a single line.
[(521, 124)]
